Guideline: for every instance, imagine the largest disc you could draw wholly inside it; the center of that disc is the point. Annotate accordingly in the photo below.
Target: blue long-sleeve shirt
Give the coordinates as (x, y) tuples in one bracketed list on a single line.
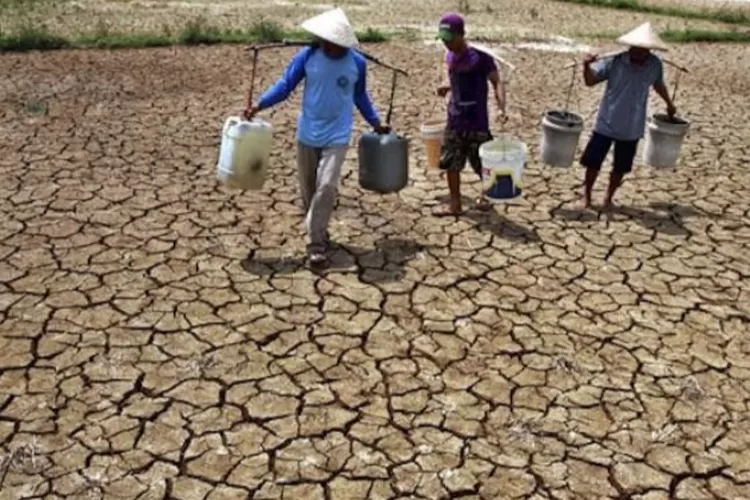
[(332, 88)]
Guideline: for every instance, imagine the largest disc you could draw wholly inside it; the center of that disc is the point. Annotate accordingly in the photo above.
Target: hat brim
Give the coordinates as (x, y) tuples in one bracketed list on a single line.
[(644, 45), (347, 44), (446, 36), (643, 37), (320, 38)]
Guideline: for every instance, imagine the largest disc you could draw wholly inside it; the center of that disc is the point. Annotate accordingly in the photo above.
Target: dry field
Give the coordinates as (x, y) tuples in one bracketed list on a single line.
[(527, 18), (160, 337)]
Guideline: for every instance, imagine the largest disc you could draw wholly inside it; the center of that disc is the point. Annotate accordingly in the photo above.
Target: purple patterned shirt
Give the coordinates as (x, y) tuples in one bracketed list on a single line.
[(469, 72)]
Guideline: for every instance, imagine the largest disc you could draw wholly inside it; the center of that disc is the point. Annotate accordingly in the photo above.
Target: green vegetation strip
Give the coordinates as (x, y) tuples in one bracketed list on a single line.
[(29, 38), (687, 36), (696, 36), (721, 14)]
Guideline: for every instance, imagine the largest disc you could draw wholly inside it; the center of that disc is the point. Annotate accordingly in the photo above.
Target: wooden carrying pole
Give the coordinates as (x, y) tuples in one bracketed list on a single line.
[(618, 52), (295, 43)]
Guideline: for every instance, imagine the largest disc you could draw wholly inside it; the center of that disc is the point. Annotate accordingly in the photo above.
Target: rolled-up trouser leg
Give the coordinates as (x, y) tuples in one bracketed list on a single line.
[(324, 198)]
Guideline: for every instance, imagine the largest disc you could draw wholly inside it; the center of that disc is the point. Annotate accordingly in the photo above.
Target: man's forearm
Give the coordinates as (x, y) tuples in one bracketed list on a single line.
[(661, 89), (500, 95), (445, 82), (588, 75), (364, 104)]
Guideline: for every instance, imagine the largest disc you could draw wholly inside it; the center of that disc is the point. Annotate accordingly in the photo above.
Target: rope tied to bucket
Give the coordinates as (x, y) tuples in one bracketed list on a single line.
[(250, 92), (440, 76), (393, 96), (676, 85), (572, 85), (504, 135)]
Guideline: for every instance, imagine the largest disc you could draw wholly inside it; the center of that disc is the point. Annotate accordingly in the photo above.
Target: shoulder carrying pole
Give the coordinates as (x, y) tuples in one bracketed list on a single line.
[(618, 52), (300, 43)]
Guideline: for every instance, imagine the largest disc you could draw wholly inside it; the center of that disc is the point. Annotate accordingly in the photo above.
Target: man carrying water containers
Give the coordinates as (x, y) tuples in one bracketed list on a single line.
[(335, 82), (469, 71), (622, 111)]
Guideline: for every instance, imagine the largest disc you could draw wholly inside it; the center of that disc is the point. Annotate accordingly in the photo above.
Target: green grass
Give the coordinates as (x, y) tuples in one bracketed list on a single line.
[(696, 36), (688, 35), (197, 32), (722, 14)]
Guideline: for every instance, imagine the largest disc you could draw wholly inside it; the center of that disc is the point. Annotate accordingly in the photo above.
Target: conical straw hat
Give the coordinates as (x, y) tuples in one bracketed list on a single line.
[(332, 26), (644, 37)]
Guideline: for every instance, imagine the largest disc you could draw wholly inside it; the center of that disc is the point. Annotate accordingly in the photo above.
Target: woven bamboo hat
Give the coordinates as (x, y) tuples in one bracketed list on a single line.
[(332, 26), (645, 37)]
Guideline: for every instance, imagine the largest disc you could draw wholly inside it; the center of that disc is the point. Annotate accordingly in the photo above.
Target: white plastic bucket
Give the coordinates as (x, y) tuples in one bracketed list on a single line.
[(503, 161), (664, 138), (225, 167), (432, 132), (561, 131), (244, 153)]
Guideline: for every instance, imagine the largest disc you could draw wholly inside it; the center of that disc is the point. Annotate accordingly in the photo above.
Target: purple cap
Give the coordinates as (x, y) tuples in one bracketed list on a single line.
[(450, 26)]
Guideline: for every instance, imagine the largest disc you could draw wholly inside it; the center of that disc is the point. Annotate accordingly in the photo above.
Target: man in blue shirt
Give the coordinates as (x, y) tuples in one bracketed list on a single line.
[(335, 82), (622, 111)]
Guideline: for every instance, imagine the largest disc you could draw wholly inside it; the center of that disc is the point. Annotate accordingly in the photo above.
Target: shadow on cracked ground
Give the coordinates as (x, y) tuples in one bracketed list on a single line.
[(381, 264), (666, 218)]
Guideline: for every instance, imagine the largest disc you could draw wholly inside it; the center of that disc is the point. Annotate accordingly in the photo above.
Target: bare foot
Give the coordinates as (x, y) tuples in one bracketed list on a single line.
[(608, 205), (585, 202)]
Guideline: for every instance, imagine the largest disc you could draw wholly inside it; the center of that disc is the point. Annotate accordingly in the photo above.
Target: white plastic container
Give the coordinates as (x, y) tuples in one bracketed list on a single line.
[(503, 161), (244, 153), (561, 131), (432, 135), (664, 137)]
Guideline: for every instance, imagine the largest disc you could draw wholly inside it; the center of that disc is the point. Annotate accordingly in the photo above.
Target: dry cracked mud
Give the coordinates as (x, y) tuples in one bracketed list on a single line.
[(161, 338)]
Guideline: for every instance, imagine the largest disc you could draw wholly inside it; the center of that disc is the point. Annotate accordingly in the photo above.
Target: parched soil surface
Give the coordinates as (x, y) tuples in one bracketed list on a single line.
[(494, 18), (160, 336)]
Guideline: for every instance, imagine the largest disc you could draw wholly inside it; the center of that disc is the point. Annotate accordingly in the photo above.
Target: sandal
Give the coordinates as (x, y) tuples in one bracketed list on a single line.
[(482, 205), (447, 212)]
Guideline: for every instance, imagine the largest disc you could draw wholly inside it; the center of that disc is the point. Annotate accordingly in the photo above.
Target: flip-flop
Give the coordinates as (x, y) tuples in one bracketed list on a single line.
[(317, 259), (482, 205), (607, 207), (447, 212)]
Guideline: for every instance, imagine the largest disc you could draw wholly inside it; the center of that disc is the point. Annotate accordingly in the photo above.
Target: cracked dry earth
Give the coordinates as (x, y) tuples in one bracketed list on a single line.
[(534, 352)]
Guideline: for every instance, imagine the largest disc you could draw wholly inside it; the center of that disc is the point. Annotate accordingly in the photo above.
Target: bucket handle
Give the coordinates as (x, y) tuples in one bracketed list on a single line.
[(572, 86), (676, 86), (393, 95), (232, 120), (249, 105), (440, 77)]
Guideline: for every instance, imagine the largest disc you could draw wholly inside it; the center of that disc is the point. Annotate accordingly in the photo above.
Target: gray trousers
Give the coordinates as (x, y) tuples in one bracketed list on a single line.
[(319, 171)]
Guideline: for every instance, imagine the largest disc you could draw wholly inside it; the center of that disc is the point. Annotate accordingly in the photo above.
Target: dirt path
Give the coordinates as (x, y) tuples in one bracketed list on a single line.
[(535, 352)]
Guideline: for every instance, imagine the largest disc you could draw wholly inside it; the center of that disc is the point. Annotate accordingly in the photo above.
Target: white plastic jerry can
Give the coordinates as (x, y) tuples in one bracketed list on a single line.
[(244, 153)]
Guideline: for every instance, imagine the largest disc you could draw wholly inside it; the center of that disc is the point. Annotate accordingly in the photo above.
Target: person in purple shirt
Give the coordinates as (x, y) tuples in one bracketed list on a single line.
[(470, 71)]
